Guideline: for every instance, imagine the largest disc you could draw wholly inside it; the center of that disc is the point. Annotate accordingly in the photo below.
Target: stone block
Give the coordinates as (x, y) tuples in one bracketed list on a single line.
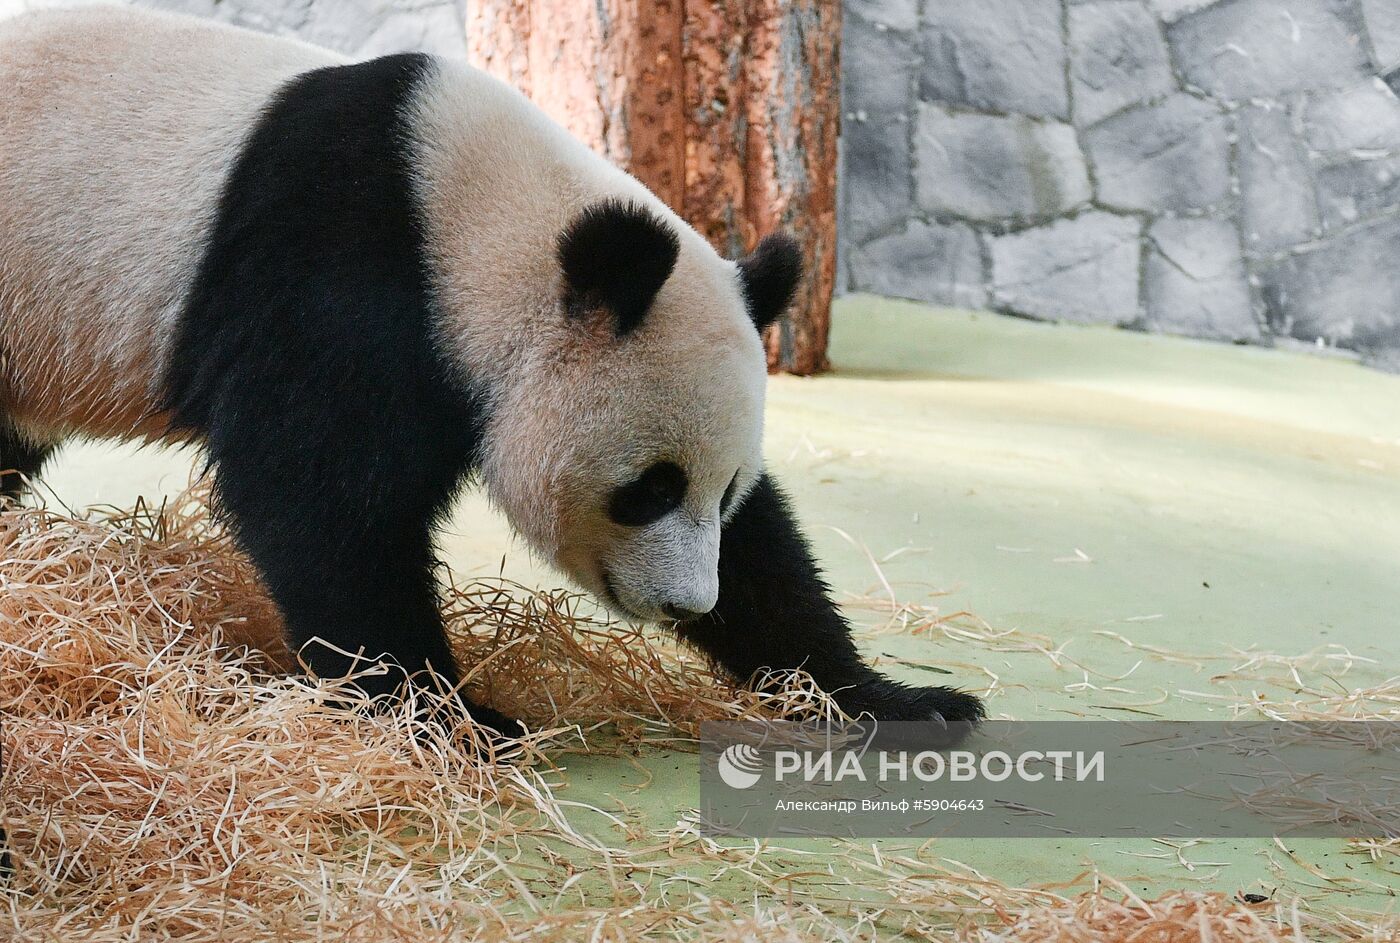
[(987, 167), (1365, 116), (1083, 269), (1170, 10), (1383, 26), (891, 14), (269, 16), (926, 262), (205, 9), (1196, 282), (996, 55), (877, 68), (360, 28), (876, 174), (436, 29), (1117, 58), (374, 27), (1174, 156), (1239, 49), (1383, 358), (1278, 208), (1345, 291), (1355, 189)]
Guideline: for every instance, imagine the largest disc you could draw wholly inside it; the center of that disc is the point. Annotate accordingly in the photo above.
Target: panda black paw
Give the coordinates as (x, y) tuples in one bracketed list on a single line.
[(886, 700), (497, 727), (492, 735)]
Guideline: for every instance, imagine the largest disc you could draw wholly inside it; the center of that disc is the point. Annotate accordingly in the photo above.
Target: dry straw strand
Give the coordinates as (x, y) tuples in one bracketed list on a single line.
[(163, 778)]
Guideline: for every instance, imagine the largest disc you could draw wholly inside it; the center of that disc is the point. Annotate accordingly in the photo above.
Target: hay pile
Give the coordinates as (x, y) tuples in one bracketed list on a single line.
[(1177, 917), (163, 780)]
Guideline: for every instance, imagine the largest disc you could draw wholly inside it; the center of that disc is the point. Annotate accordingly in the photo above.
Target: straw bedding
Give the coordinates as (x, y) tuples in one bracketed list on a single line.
[(164, 778)]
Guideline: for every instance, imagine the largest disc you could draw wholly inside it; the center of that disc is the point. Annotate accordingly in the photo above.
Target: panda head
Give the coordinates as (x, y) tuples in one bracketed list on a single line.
[(634, 427)]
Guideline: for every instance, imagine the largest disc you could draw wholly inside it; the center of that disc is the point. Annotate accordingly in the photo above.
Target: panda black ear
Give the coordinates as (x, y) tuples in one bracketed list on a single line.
[(770, 274), (616, 255)]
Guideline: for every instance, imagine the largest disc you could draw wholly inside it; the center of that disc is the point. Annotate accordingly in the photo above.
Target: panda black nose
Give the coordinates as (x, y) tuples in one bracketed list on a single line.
[(681, 614)]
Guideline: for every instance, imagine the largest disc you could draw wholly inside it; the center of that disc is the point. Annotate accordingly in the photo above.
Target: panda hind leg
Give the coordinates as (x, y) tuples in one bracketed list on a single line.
[(20, 458)]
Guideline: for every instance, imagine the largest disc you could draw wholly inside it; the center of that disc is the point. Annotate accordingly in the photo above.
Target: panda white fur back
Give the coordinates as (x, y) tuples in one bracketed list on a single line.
[(356, 284), (117, 130)]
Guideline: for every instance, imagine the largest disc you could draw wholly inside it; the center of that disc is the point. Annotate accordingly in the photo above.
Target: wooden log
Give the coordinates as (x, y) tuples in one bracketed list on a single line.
[(793, 69), (713, 46), (727, 109), (609, 71)]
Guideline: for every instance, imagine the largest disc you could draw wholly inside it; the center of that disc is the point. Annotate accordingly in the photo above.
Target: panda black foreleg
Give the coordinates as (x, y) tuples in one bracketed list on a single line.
[(19, 459), (775, 612), (352, 575), (377, 618)]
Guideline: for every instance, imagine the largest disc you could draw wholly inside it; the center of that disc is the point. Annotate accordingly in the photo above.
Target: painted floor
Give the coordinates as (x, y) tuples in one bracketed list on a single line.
[(1084, 489)]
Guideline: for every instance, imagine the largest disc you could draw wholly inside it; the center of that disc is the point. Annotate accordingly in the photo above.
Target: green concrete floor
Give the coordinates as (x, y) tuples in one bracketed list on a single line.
[(1059, 481)]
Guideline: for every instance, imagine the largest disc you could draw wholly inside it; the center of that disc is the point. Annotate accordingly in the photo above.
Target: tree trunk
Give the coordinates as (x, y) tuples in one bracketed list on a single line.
[(727, 109)]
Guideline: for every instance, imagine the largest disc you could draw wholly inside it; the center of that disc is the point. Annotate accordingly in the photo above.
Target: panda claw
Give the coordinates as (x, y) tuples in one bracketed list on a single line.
[(496, 736), (885, 700)]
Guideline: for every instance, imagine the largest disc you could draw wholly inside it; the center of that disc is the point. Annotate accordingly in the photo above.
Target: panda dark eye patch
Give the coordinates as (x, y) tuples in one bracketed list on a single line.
[(655, 493), (728, 498)]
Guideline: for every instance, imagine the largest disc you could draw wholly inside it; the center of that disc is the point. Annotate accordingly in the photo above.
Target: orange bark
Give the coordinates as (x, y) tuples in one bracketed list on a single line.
[(793, 121), (727, 109), (714, 48)]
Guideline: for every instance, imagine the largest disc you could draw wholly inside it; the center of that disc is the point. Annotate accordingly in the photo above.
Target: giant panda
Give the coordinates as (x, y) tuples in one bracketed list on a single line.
[(356, 285)]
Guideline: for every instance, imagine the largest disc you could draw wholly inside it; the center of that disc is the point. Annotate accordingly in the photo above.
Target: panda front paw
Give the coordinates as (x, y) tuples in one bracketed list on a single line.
[(938, 718), (496, 735), (886, 700), (482, 730)]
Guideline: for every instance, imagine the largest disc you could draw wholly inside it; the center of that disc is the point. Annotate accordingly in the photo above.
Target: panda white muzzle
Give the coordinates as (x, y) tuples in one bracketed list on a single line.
[(668, 570)]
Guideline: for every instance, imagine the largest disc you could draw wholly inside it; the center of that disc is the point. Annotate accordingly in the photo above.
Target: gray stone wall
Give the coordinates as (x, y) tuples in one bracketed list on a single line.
[(1226, 169), (360, 28)]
